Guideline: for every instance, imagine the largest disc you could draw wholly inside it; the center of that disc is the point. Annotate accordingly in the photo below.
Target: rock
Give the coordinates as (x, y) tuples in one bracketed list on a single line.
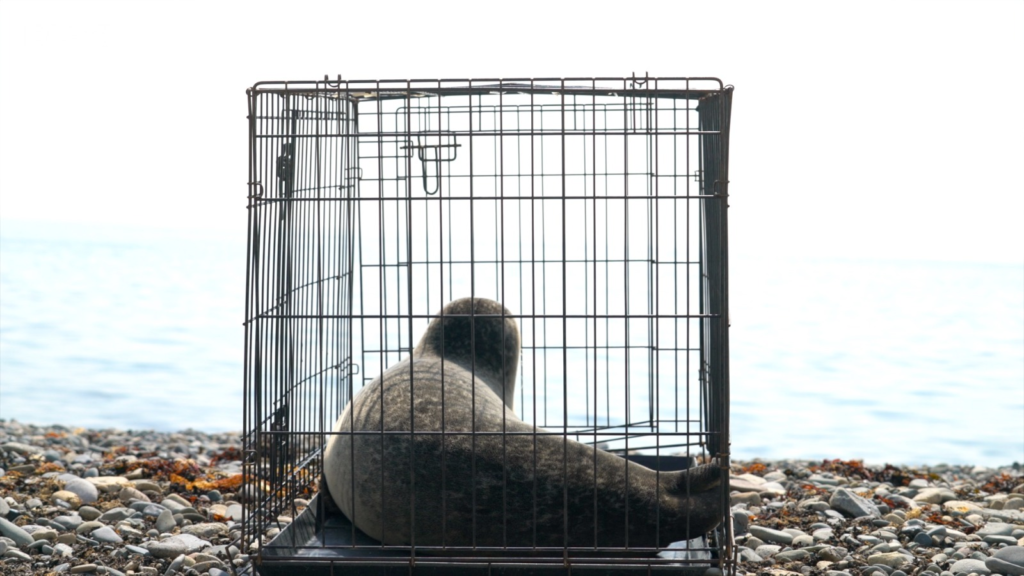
[(127, 494), (168, 548), (831, 554), (934, 495), (851, 504), (961, 506), (114, 515), (791, 555), (802, 541), (85, 491), (147, 486), (210, 529), (996, 529), (23, 449), (770, 535), (152, 510), (106, 534), (892, 559), (165, 521), (89, 513), (740, 484), (1008, 561), (748, 498), (69, 522), (204, 566), (822, 534), (88, 527), (48, 534), (1009, 540), (894, 519), (15, 532), (1014, 503), (109, 483), (83, 568), (17, 554), (767, 550), (748, 555), (969, 566), (176, 545), (66, 495), (235, 512), (923, 539), (770, 489)]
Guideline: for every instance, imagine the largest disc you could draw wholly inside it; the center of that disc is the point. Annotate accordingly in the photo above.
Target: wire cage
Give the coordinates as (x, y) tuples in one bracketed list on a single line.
[(592, 209)]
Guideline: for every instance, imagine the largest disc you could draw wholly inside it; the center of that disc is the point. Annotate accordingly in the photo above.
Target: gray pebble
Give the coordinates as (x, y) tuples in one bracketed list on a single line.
[(106, 534), (153, 510), (175, 565), (83, 568), (849, 503), (63, 550), (791, 555), (137, 550), (15, 532), (831, 554), (4, 507), (23, 449), (15, 553), (969, 566), (68, 522), (128, 494), (996, 529), (87, 527), (768, 550), (115, 515), (89, 513), (1009, 540), (83, 489), (770, 535), (748, 555), (165, 521), (1008, 561), (803, 541)]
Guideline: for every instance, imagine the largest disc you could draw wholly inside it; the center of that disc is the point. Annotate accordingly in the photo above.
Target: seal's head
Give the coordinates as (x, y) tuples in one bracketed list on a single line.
[(481, 336)]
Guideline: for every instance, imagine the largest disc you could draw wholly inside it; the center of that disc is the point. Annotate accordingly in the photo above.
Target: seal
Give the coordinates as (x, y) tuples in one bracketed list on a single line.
[(431, 453)]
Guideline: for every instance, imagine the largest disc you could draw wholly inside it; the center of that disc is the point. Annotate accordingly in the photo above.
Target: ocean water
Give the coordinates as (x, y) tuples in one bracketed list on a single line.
[(901, 362)]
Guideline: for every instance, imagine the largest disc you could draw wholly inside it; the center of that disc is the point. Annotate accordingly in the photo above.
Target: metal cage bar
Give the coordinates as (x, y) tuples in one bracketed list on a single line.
[(594, 209)]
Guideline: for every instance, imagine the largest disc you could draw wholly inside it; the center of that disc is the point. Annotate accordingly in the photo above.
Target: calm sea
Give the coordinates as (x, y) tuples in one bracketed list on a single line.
[(902, 362)]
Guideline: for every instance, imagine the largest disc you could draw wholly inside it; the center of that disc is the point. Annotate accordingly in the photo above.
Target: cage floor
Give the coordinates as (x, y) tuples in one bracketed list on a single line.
[(313, 546)]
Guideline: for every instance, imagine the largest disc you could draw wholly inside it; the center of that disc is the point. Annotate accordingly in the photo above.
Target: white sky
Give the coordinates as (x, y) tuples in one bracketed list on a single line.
[(860, 129)]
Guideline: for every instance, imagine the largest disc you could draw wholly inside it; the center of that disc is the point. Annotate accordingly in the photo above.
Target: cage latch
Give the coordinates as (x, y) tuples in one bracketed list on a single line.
[(434, 148)]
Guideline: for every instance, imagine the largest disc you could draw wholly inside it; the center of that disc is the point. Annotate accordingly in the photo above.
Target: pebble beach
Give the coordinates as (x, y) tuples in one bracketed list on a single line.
[(83, 501)]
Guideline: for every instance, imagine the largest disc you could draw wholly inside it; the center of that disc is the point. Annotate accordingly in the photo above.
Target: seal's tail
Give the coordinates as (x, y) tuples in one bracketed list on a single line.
[(699, 479)]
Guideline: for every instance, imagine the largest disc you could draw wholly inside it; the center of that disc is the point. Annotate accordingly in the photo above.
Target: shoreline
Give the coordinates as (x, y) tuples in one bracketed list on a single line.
[(131, 503)]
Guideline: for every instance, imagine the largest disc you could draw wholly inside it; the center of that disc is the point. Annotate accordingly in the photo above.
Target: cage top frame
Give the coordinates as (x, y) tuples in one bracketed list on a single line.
[(679, 88)]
